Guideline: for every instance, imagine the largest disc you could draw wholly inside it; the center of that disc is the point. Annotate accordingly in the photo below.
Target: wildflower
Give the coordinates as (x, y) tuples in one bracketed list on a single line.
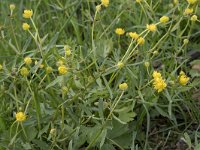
[(138, 1), (183, 79), (98, 7), (105, 3), (146, 64), (120, 65), (24, 71), (119, 31), (133, 35), (62, 70), (27, 14), (20, 116), (157, 75), (194, 18), (1, 67), (188, 11), (141, 41), (164, 19), (49, 69), (158, 82), (123, 86), (27, 60), (25, 26), (176, 2), (12, 7), (191, 1), (151, 27), (185, 41)]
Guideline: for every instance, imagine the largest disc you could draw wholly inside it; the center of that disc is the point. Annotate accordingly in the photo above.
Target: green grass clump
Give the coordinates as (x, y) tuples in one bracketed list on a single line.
[(91, 74)]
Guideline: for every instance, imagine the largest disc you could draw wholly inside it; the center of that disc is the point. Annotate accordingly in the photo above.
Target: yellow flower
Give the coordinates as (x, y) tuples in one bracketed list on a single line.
[(164, 19), (191, 1), (123, 86), (183, 79), (119, 31), (49, 69), (138, 1), (176, 2), (105, 3), (120, 65), (194, 18), (68, 52), (62, 70), (24, 71), (1, 67), (27, 60), (25, 26), (151, 27), (133, 35), (157, 74), (159, 84), (20, 116), (12, 7), (27, 14), (141, 41), (188, 11)]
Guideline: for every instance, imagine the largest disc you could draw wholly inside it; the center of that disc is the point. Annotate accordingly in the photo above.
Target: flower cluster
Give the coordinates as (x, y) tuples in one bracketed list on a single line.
[(158, 82)]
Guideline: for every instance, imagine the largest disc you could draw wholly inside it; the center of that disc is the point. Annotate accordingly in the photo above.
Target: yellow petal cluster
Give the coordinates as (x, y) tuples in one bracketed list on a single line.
[(24, 71), (141, 41), (119, 31), (151, 27), (27, 14), (27, 60), (25, 26), (158, 83), (105, 3), (133, 35), (20, 116), (62, 70), (183, 79)]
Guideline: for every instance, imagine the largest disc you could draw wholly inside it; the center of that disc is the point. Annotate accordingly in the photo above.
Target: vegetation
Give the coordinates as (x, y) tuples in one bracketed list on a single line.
[(99, 74)]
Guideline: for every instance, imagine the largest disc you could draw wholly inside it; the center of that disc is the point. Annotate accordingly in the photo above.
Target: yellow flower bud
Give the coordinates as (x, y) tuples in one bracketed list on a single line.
[(98, 7), (164, 19), (27, 60), (25, 26), (24, 71), (12, 7), (147, 64), (123, 86), (120, 65), (194, 18), (185, 41)]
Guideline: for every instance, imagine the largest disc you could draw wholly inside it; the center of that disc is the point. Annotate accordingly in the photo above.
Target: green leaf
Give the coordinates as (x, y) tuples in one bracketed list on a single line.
[(187, 140)]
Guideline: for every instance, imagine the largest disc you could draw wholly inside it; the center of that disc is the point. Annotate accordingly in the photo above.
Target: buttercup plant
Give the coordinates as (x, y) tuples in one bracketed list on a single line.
[(99, 74)]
